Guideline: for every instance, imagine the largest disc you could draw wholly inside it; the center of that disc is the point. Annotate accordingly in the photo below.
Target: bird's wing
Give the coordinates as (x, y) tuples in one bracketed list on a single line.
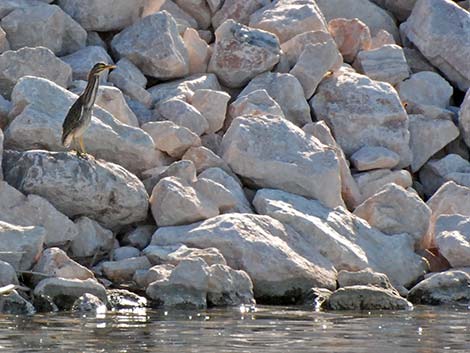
[(72, 119)]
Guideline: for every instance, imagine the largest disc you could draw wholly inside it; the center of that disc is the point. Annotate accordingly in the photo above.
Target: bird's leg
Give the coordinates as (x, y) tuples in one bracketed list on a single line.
[(82, 147)]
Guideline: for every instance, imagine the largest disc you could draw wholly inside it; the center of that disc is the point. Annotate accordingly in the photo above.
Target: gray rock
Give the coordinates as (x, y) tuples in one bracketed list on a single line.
[(5, 107), (183, 114), (364, 278), (103, 191), (257, 102), (400, 8), (203, 158), (7, 274), (123, 270), (183, 169), (197, 9), (123, 299), (212, 105), (174, 254), (452, 237), (369, 157), (464, 118), (239, 11), (81, 61), (14, 304), (416, 61), (88, 302), (125, 252), (92, 239), (140, 236), (228, 287)]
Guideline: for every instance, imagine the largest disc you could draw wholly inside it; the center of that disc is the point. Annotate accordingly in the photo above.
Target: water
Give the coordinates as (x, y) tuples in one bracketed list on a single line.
[(268, 329)]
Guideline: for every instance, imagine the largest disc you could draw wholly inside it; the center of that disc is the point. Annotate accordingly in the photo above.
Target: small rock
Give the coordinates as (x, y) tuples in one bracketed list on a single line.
[(7, 274), (203, 158), (183, 169), (183, 114), (239, 11), (88, 302), (292, 49), (197, 9), (14, 304), (369, 157), (198, 51), (257, 102), (452, 237), (4, 45), (380, 39), (92, 239), (139, 237), (174, 254), (125, 252), (155, 273), (123, 270), (370, 183), (228, 287), (365, 277), (84, 59), (212, 105), (351, 36), (119, 299)]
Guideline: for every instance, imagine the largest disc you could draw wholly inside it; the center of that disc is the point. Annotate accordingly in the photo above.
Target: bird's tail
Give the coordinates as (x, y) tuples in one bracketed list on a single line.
[(66, 139)]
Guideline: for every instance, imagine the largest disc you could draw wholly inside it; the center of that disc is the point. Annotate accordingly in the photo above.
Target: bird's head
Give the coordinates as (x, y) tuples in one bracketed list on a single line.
[(100, 67)]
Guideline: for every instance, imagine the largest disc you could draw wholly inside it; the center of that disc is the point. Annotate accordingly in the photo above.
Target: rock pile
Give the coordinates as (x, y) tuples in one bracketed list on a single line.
[(241, 151)]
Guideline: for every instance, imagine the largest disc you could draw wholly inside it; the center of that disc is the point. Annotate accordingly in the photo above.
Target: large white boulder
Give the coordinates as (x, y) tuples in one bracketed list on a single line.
[(452, 237)]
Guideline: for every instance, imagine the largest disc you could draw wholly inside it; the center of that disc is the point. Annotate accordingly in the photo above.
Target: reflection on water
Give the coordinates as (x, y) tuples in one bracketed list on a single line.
[(266, 329)]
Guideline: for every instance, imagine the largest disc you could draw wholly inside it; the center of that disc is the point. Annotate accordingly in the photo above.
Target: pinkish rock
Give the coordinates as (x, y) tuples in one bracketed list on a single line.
[(350, 35), (198, 51)]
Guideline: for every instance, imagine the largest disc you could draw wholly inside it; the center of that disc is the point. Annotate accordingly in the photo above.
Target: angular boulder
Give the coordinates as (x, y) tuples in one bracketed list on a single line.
[(92, 239), (452, 237), (84, 59), (368, 158), (350, 35)]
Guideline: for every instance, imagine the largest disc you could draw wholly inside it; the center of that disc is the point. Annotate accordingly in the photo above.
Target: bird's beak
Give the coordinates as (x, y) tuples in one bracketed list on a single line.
[(110, 67)]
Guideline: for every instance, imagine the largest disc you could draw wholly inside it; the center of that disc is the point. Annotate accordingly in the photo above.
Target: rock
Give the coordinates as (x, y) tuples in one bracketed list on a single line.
[(369, 13), (183, 169), (174, 254), (367, 298), (239, 11), (140, 236), (287, 18), (257, 102), (212, 141), (175, 201), (292, 49), (39, 109), (351, 36), (343, 238), (103, 191), (368, 158), (240, 53), (65, 291), (94, 40), (314, 63), (123, 270), (221, 177), (4, 45), (5, 107), (198, 50), (416, 61), (197, 9), (156, 273), (21, 246), (36, 211), (121, 299), (428, 136), (381, 39), (143, 114), (426, 88), (40, 62), (203, 158), (212, 105), (125, 252), (14, 304), (154, 45), (442, 288), (92, 239), (249, 243), (182, 18), (281, 145), (452, 235), (365, 277), (54, 262), (103, 16), (88, 302), (228, 287), (7, 274), (43, 26), (387, 63), (84, 59), (400, 8), (367, 123), (395, 210), (171, 138), (464, 118), (370, 183), (439, 29), (183, 114)]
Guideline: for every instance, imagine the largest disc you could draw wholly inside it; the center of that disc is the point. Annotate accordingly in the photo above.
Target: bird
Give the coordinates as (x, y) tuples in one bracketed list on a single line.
[(78, 117)]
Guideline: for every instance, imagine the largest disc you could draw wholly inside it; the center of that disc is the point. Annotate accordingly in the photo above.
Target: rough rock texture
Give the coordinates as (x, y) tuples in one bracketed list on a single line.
[(139, 237), (21, 246), (174, 254), (197, 9), (84, 59), (287, 18), (442, 288), (88, 303), (14, 304), (348, 103), (452, 237), (395, 210), (154, 45), (250, 243), (240, 53), (34, 210), (92, 239), (371, 182), (103, 15), (212, 105), (441, 32), (199, 51), (7, 274), (257, 102), (364, 277), (346, 240), (260, 148), (204, 158), (123, 270), (46, 26), (39, 108), (103, 191), (350, 35), (183, 114), (184, 169), (40, 62), (239, 11), (368, 158)]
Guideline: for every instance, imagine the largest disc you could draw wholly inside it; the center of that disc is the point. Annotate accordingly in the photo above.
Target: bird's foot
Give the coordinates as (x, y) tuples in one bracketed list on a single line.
[(82, 155)]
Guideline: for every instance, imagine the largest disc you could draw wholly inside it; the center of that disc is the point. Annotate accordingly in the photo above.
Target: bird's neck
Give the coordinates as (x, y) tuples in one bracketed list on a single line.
[(91, 90)]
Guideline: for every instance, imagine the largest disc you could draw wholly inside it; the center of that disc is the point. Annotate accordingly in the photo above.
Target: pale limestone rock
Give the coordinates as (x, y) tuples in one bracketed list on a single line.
[(174, 254), (48, 104), (54, 262), (182, 18), (140, 236), (7, 274), (287, 18), (364, 277), (4, 44), (171, 138), (103, 191), (371, 182), (346, 240), (92, 239), (46, 26), (292, 49), (368, 158), (395, 210), (380, 39), (84, 59), (183, 114), (198, 9), (238, 11), (21, 246), (183, 169), (155, 273), (33, 210), (452, 237), (176, 201), (198, 51), (464, 118), (123, 270), (287, 91), (260, 148), (203, 158), (426, 88), (103, 15), (314, 63), (257, 102), (40, 62), (212, 105), (240, 53), (250, 243), (428, 136), (347, 101), (387, 63), (350, 35), (154, 45)]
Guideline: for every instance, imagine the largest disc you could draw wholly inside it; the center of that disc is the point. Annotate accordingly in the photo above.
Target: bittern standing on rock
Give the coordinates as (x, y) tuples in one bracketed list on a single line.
[(79, 116)]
